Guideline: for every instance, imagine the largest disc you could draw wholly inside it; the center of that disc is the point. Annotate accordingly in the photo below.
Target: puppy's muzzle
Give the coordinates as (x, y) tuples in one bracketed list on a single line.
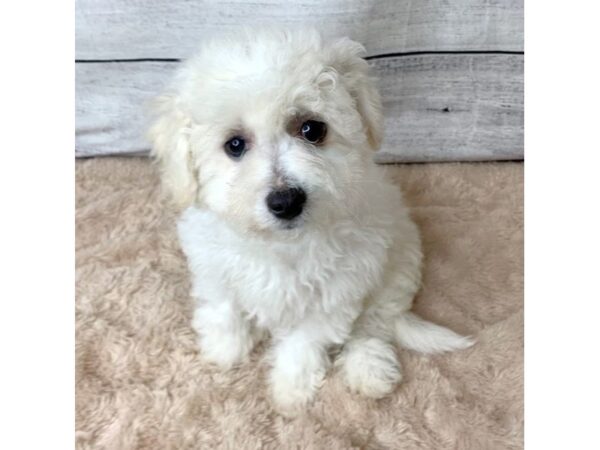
[(287, 203)]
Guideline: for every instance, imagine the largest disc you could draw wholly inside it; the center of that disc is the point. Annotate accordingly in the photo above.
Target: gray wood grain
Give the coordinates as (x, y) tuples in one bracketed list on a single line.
[(437, 107), (110, 105), (120, 29), (452, 107)]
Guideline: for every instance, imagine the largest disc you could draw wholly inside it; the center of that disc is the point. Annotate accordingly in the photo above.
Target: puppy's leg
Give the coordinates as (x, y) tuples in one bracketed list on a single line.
[(225, 336), (300, 361), (368, 361)]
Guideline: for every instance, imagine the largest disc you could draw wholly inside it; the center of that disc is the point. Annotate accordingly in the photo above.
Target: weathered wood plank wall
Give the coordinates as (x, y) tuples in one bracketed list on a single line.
[(452, 107), (451, 73)]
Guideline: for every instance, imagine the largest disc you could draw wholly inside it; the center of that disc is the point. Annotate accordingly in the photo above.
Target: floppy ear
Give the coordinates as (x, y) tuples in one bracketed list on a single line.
[(169, 135), (354, 71)]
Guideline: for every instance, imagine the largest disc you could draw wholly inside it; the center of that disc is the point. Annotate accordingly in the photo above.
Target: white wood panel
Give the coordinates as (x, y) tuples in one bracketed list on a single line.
[(110, 105), (452, 107), (124, 29), (437, 107)]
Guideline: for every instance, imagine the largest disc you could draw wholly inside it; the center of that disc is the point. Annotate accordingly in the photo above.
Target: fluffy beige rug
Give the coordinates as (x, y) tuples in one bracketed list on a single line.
[(141, 383)]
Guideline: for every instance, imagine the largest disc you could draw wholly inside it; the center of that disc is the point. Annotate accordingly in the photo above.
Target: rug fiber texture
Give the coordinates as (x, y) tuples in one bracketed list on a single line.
[(141, 382)]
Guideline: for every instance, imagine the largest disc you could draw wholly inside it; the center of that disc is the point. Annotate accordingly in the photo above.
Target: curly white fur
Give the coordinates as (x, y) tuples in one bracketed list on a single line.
[(346, 270)]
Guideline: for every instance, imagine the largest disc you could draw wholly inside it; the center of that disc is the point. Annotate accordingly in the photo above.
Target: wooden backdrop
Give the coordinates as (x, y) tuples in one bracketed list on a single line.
[(450, 72)]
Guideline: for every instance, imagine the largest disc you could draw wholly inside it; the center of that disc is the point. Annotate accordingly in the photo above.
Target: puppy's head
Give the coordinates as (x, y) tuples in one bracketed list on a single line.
[(271, 131)]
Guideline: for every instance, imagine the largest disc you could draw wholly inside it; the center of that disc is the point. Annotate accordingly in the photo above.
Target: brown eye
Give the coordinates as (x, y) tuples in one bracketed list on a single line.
[(313, 131)]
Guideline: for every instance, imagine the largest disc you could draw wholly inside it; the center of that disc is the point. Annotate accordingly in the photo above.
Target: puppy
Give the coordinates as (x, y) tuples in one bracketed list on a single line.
[(290, 228)]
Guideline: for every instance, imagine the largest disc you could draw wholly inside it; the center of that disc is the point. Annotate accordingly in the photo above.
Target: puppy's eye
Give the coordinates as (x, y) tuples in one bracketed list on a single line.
[(235, 147), (313, 131)]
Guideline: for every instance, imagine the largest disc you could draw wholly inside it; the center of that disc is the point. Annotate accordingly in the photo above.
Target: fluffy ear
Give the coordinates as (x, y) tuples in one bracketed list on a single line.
[(354, 71), (169, 135)]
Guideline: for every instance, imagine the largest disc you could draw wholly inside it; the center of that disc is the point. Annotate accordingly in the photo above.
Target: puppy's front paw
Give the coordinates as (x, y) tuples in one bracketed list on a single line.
[(370, 367), (224, 338), (292, 393), (224, 350)]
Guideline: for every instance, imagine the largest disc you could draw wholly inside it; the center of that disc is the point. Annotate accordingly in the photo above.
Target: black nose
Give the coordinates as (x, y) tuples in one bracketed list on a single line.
[(286, 204)]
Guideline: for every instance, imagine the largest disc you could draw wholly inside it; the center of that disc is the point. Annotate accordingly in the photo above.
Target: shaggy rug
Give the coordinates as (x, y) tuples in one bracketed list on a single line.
[(142, 384)]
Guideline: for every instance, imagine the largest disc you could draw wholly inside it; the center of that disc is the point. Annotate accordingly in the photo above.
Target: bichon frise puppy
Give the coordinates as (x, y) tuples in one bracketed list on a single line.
[(290, 227)]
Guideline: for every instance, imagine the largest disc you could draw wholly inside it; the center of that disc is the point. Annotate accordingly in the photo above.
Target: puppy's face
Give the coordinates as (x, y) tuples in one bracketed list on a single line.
[(272, 132)]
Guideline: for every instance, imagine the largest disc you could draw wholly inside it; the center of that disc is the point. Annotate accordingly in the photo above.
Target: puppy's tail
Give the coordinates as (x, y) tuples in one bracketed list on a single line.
[(419, 335)]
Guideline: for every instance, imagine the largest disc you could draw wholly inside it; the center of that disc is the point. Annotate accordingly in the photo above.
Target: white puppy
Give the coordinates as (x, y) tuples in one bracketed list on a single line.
[(290, 227)]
